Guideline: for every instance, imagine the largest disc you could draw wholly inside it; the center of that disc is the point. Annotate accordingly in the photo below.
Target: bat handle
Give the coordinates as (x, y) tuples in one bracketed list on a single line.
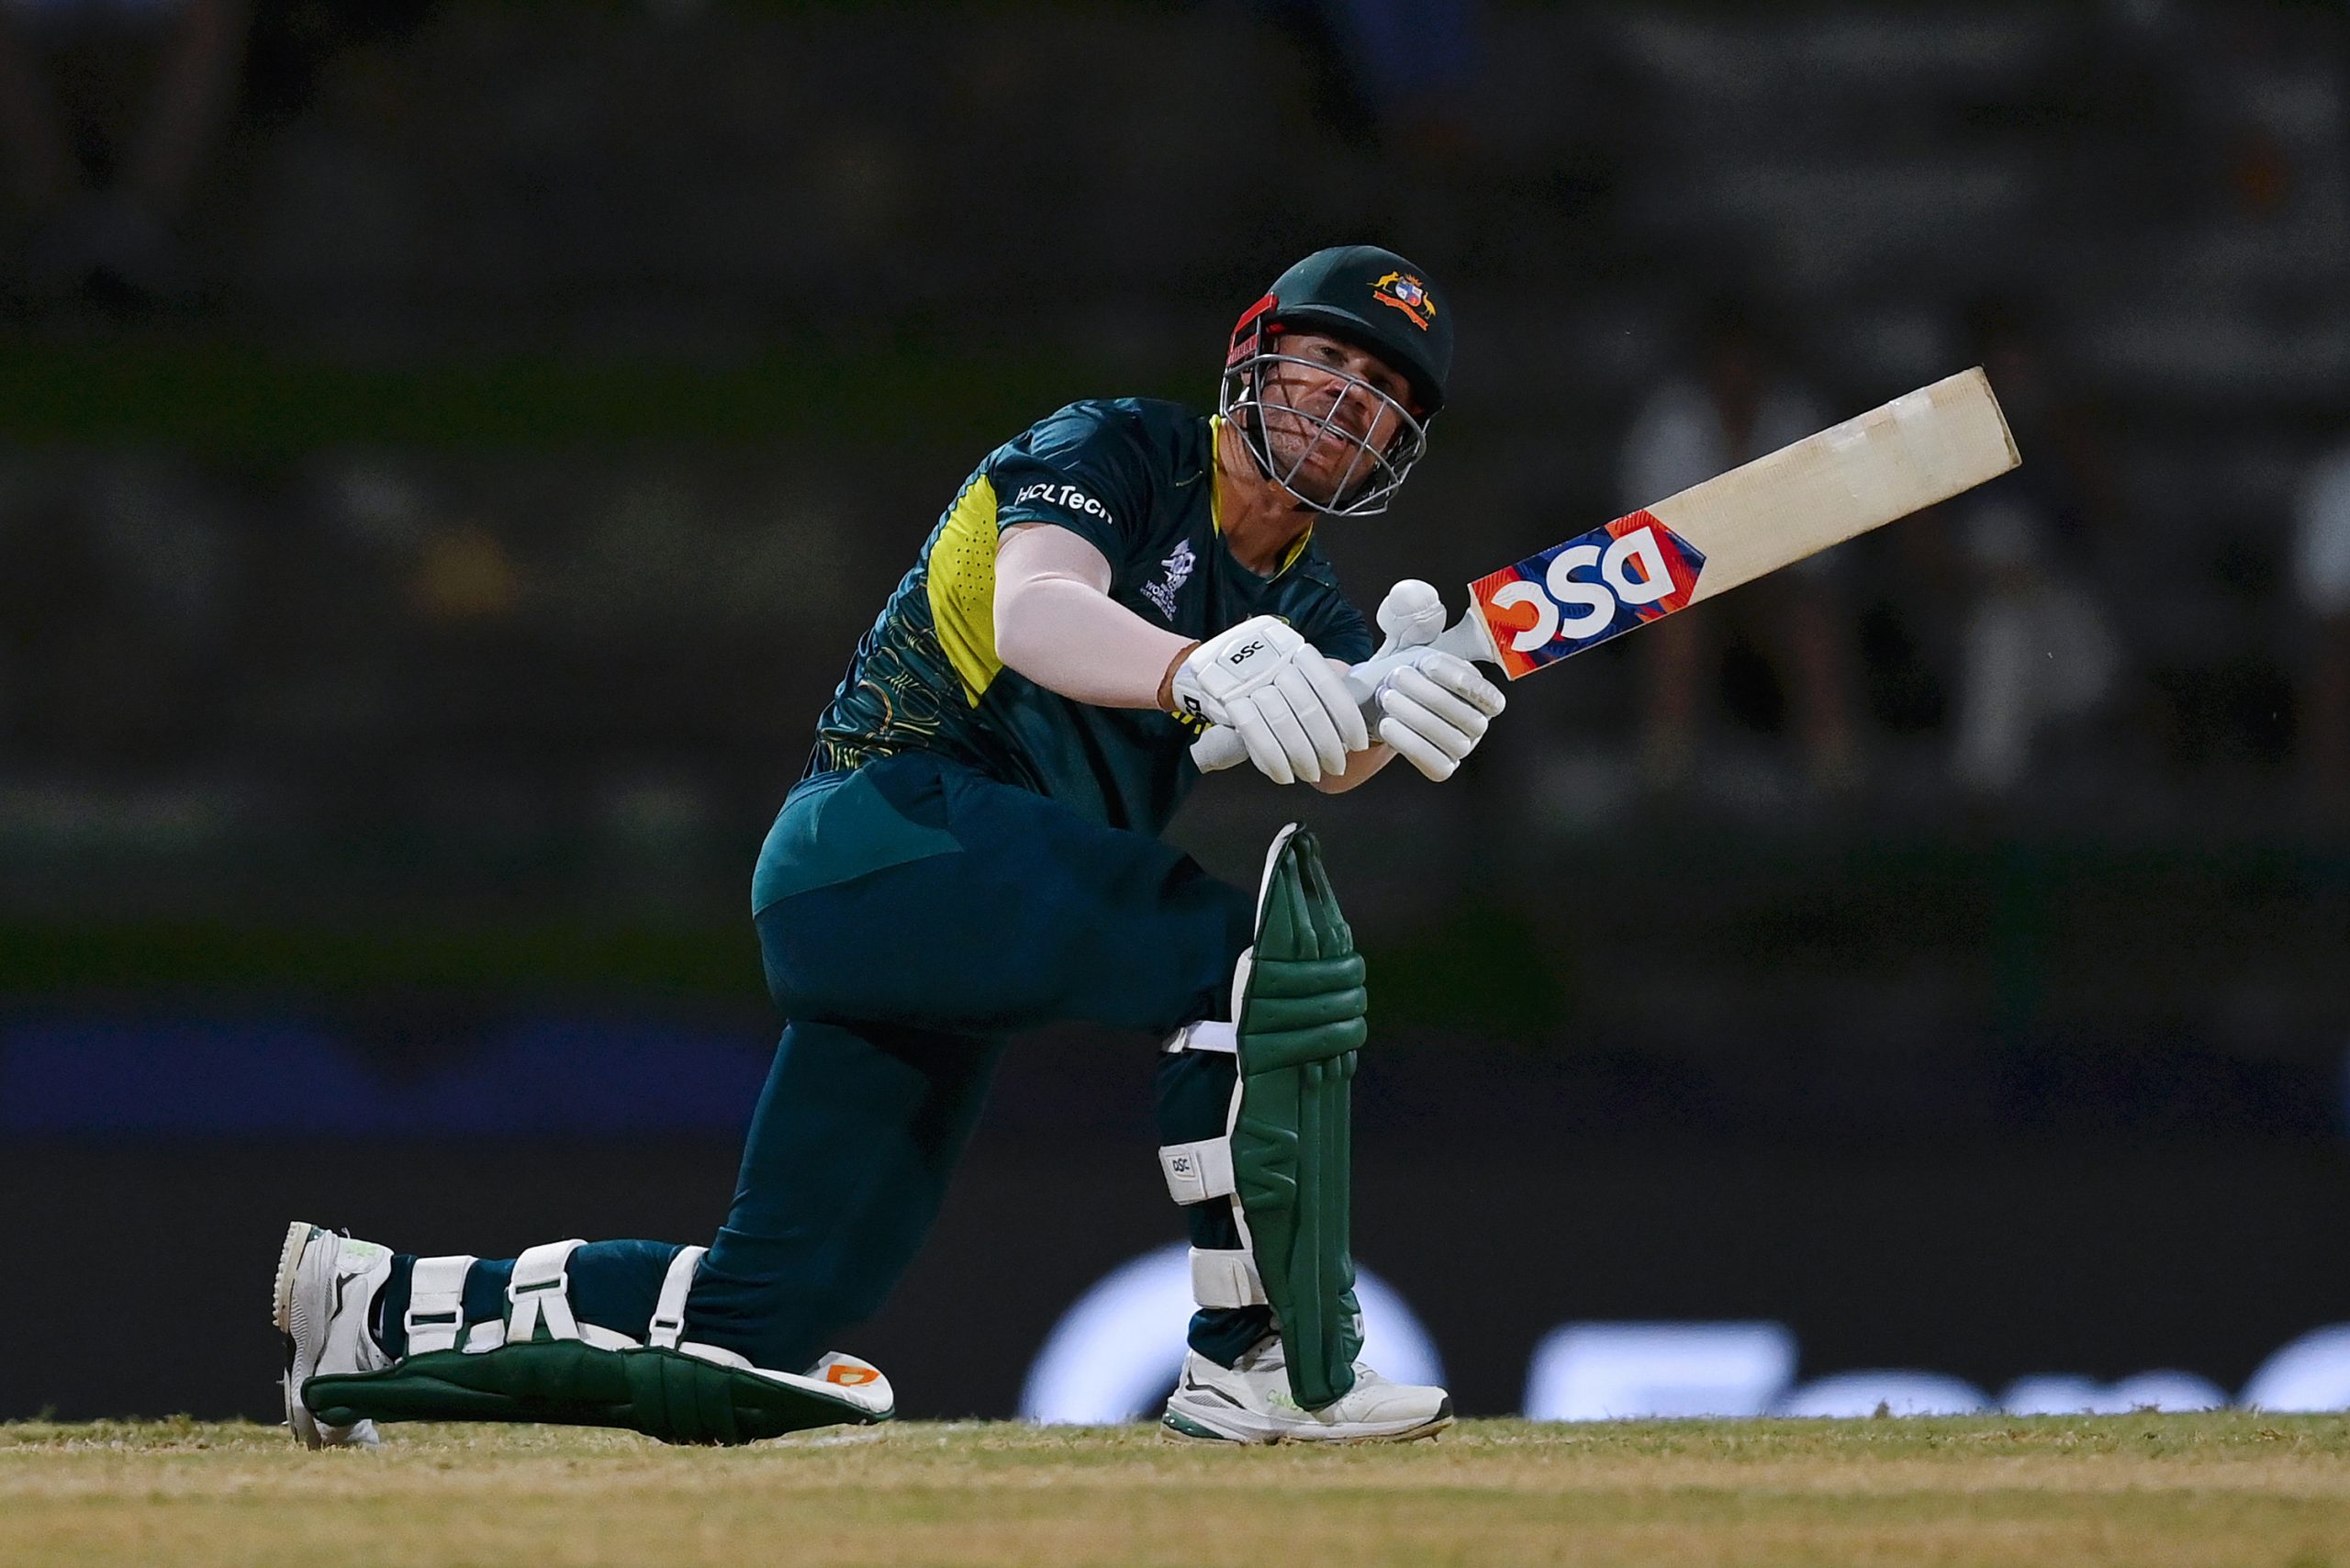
[(1219, 747)]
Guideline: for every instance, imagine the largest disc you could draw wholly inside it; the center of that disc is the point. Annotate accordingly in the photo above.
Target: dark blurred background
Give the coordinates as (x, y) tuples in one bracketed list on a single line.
[(448, 451)]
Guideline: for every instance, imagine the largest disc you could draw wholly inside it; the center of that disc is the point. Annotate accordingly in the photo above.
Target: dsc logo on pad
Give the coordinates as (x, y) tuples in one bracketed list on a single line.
[(1593, 587)]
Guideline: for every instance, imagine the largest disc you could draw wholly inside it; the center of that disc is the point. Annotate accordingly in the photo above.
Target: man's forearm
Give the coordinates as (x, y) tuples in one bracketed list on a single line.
[(1072, 639), (1361, 766), (1056, 624)]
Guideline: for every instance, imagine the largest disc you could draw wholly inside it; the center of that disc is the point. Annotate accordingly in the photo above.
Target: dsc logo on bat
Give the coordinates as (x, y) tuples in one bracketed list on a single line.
[(1595, 587)]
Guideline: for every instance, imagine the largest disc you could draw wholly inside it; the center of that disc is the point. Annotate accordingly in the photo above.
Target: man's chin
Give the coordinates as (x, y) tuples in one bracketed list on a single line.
[(1310, 490), (1318, 483)]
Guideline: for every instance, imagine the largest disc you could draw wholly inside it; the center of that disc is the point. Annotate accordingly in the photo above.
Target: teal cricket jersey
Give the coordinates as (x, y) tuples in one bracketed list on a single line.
[(1135, 478)]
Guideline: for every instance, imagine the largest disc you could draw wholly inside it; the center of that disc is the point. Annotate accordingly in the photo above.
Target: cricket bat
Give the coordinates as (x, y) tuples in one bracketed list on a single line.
[(1921, 448)]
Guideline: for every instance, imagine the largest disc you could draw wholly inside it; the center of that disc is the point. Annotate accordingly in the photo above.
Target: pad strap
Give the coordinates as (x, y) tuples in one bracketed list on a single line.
[(1198, 1171), (1226, 1279), (538, 1295), (669, 1312), (1207, 1035), (539, 1292), (436, 1304)]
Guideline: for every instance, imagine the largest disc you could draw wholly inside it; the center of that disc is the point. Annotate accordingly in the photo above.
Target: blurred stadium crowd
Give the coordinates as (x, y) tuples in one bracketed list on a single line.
[(449, 449), (486, 428)]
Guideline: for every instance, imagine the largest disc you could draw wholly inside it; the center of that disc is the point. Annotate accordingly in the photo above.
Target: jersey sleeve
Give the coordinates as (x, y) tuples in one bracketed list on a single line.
[(1082, 470), (1336, 627)]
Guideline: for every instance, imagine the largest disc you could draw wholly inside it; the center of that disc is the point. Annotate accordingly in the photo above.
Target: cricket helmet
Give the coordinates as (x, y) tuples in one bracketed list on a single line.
[(1376, 300)]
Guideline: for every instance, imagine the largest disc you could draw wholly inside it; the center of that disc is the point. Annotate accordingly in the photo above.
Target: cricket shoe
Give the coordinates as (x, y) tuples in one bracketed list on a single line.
[(1250, 1402), (326, 1286)]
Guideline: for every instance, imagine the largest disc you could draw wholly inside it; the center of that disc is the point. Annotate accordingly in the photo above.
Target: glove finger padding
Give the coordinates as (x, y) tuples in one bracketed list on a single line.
[(1280, 720), (1435, 728), (1265, 753), (1330, 687), (1320, 727), (1429, 697), (1459, 677), (1436, 711), (1414, 748)]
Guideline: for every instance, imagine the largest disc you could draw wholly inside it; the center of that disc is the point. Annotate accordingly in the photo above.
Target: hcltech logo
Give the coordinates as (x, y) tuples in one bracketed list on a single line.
[(1066, 496)]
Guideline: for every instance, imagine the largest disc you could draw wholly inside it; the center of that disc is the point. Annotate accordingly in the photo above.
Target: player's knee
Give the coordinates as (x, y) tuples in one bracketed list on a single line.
[(1234, 908)]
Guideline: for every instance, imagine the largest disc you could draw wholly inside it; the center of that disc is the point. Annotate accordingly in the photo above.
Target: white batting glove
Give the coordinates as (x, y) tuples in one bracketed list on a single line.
[(1434, 710), (1411, 614), (1286, 700)]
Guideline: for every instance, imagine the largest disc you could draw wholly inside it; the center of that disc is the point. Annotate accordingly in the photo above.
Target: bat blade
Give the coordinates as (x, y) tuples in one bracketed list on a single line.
[(1921, 448)]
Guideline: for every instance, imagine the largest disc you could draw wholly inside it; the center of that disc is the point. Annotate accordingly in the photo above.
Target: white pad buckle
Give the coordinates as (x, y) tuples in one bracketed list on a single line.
[(1221, 1278), (669, 1312), (540, 1291), (436, 1304), (1198, 1171)]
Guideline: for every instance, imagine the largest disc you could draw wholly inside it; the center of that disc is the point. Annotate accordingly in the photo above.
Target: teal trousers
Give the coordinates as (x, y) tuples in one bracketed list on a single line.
[(913, 917)]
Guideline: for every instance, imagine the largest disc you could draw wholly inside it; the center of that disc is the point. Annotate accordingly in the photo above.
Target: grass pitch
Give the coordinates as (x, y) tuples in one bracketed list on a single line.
[(2196, 1491)]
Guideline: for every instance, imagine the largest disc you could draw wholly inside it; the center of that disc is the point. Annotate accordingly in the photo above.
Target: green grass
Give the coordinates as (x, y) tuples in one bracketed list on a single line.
[(2195, 1491)]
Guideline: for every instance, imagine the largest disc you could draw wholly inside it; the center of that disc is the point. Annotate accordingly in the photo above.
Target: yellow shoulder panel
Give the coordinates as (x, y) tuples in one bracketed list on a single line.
[(962, 588)]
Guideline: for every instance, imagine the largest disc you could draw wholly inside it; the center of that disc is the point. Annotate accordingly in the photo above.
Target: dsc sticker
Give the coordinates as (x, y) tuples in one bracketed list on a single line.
[(1593, 587)]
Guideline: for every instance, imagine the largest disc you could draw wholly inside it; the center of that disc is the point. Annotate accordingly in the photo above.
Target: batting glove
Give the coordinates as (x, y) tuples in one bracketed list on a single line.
[(1434, 710), (1287, 702)]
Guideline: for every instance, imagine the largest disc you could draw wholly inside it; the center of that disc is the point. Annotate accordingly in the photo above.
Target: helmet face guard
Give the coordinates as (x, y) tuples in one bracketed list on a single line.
[(1285, 439)]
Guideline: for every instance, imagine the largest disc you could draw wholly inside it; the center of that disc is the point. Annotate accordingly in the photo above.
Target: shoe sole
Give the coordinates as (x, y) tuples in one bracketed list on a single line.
[(289, 1262), (298, 1237), (1177, 1427)]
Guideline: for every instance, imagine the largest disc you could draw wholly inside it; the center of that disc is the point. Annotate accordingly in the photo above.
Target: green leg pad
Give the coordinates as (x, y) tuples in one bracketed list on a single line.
[(1302, 1019), (662, 1394)]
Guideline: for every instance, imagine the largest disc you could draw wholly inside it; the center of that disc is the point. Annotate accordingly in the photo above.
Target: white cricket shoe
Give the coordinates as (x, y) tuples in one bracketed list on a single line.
[(1251, 1402), (326, 1285)]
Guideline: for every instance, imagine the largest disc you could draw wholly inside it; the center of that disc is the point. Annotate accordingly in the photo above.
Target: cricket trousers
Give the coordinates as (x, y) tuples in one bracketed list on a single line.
[(913, 917)]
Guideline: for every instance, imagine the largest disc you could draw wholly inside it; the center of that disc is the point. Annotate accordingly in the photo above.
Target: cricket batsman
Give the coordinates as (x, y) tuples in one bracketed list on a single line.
[(974, 851)]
